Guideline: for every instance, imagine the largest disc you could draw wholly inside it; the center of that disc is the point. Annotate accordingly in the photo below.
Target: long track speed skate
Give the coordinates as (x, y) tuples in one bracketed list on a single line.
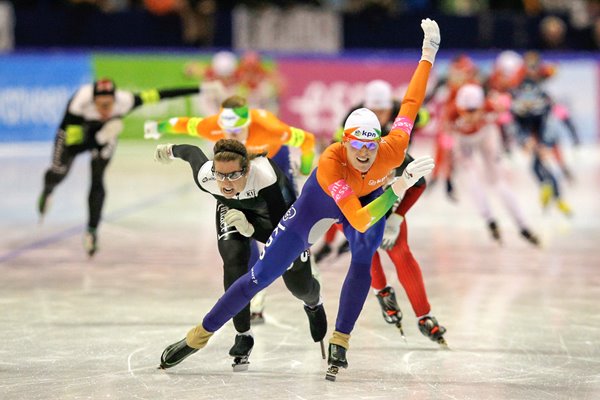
[(336, 360), (390, 309), (175, 353), (241, 352), (434, 331)]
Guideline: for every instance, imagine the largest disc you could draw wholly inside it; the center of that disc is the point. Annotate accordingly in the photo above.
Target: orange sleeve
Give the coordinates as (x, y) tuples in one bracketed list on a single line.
[(394, 145), (206, 128), (330, 175)]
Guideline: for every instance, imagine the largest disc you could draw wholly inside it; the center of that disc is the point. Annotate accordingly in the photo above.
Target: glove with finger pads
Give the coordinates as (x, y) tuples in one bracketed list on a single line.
[(412, 173)]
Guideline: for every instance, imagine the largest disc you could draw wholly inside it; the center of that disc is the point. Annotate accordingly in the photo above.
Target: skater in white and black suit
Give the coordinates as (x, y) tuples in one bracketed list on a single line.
[(92, 122), (252, 195)]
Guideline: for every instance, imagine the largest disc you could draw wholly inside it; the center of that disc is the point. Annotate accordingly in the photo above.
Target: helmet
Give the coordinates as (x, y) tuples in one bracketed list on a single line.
[(378, 95), (362, 124), (469, 97), (224, 63), (234, 118)]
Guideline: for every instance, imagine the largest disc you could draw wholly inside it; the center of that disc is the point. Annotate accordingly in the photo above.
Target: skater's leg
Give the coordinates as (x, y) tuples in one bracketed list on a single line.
[(62, 160)]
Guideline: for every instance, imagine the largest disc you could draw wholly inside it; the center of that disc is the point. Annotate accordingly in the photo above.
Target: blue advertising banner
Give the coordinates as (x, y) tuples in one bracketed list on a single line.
[(34, 91)]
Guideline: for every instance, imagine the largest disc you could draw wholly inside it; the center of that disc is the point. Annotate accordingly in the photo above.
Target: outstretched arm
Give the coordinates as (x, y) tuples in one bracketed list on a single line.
[(165, 153), (152, 96)]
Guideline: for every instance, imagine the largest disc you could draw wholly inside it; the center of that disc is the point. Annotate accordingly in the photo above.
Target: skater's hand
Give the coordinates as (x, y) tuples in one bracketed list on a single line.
[(238, 219), (151, 130), (413, 172), (392, 230), (164, 153), (109, 132), (431, 39)]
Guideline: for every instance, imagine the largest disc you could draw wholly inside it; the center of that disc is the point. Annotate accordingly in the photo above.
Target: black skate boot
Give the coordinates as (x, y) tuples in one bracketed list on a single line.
[(530, 237), (336, 360), (44, 204), (317, 319), (175, 353), (344, 248), (241, 351), (493, 227), (323, 252), (389, 308), (90, 241), (430, 328)]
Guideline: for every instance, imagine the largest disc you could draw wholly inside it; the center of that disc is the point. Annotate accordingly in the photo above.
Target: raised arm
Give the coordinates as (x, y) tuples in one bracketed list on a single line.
[(165, 153)]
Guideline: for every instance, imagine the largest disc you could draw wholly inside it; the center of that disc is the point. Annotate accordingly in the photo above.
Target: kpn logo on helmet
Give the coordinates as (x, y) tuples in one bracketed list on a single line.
[(366, 134)]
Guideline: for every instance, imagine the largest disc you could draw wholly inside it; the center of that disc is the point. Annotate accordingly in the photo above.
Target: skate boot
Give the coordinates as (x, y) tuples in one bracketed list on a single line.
[(257, 305), (241, 351), (530, 237), (317, 321), (430, 328), (546, 193), (90, 241), (175, 353), (323, 252), (44, 204), (338, 345), (493, 227), (257, 318), (389, 308), (344, 248), (564, 207)]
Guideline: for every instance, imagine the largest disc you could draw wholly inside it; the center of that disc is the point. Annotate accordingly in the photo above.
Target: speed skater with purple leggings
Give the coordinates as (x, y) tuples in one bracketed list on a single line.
[(345, 188)]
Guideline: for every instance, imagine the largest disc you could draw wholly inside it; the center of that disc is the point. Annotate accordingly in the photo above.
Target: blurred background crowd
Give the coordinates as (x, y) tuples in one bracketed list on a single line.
[(474, 24)]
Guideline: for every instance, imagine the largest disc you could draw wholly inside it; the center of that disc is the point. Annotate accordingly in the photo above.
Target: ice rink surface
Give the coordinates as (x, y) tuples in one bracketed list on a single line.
[(523, 322)]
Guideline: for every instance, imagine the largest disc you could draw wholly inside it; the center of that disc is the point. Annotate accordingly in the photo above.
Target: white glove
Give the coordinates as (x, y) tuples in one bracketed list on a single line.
[(164, 153), (412, 173), (431, 40), (238, 219), (391, 232), (109, 132), (151, 130)]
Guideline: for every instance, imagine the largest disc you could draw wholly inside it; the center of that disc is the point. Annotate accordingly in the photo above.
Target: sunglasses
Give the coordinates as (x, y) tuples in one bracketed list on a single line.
[(359, 144), (234, 131), (230, 176)]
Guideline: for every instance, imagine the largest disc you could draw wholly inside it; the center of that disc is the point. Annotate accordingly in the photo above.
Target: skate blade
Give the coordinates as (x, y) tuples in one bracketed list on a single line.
[(240, 364), (331, 374), (322, 349), (443, 344), (240, 367), (399, 326)]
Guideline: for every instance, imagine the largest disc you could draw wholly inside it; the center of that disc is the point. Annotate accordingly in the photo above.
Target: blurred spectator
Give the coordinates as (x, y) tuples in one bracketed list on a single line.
[(7, 26), (553, 33), (197, 17)]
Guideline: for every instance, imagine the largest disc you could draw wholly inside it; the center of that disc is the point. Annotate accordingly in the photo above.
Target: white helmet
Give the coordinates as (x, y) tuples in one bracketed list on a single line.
[(509, 62), (378, 95), (470, 97), (362, 124), (224, 63)]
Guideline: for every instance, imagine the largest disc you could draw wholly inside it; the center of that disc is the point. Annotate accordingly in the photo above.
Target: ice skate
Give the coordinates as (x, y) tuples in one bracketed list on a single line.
[(564, 207), (389, 308), (336, 360), (546, 193), (317, 320), (323, 252), (175, 353), (530, 237), (495, 231), (257, 318), (430, 328), (44, 202), (257, 306), (90, 241), (241, 352)]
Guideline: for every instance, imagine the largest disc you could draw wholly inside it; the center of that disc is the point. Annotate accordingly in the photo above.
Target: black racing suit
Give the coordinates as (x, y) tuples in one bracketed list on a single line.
[(77, 133), (265, 199)]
